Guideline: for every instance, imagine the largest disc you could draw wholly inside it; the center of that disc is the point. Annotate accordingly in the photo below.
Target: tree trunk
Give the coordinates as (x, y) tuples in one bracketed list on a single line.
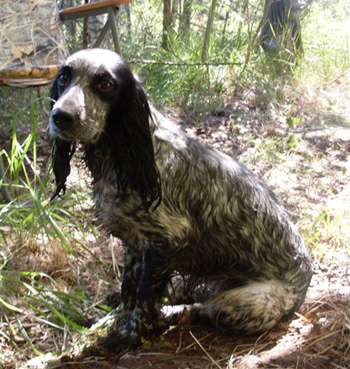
[(185, 18), (86, 36), (128, 21), (208, 30), (95, 25), (70, 25), (167, 23), (174, 10)]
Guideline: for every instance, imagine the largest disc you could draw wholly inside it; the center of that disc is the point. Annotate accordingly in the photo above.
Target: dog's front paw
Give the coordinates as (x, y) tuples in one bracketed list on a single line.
[(121, 339)]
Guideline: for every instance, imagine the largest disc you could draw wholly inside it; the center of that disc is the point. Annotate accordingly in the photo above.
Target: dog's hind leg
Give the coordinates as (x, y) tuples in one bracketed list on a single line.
[(253, 308)]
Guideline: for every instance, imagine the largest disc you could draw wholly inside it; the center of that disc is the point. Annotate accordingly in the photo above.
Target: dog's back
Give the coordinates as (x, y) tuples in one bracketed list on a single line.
[(228, 227)]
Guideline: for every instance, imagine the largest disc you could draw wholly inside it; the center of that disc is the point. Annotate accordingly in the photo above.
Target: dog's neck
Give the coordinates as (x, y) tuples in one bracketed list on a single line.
[(100, 161), (124, 158), (98, 158)]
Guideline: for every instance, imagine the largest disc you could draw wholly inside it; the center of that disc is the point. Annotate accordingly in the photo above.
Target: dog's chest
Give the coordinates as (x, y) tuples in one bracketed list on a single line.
[(125, 218), (115, 214)]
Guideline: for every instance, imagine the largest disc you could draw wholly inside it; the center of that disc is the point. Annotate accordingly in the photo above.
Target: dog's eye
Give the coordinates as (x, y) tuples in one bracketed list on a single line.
[(63, 79), (105, 85)]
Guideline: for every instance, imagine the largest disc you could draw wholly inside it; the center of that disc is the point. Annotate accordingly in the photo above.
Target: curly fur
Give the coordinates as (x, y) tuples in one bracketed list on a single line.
[(177, 204)]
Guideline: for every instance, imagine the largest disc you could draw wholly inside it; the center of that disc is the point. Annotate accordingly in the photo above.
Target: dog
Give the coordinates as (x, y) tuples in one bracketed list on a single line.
[(178, 206)]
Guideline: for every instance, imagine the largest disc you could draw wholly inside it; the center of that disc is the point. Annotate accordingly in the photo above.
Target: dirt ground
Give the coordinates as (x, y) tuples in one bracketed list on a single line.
[(308, 167)]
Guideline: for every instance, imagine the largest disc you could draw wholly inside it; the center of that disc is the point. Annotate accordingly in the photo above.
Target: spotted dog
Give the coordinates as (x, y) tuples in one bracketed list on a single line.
[(178, 205)]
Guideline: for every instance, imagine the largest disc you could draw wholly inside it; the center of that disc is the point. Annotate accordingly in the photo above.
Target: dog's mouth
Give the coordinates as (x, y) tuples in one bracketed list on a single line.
[(76, 132), (56, 132)]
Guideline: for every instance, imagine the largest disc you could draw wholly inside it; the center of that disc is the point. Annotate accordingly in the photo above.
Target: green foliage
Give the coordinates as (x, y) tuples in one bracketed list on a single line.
[(326, 232), (326, 41), (31, 211), (292, 121), (177, 75), (31, 218)]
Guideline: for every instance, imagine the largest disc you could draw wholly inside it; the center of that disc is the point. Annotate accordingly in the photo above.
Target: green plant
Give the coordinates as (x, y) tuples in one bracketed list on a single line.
[(328, 231), (327, 46), (292, 121), (32, 228)]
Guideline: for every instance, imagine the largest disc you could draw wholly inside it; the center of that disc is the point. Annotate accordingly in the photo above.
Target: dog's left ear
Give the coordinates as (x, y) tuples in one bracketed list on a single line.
[(61, 156), (62, 152), (133, 152)]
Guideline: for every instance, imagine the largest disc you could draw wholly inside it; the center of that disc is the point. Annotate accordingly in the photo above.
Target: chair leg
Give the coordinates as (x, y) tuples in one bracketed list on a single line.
[(112, 13), (102, 34)]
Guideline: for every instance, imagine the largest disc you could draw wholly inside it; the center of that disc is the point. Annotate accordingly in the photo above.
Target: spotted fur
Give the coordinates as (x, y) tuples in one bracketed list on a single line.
[(177, 204)]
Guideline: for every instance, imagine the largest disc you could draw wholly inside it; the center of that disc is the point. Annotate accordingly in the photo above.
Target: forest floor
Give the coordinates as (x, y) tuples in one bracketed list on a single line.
[(304, 156)]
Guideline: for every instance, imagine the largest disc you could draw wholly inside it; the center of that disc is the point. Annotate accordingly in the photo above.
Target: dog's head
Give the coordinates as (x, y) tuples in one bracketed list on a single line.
[(98, 101), (89, 85)]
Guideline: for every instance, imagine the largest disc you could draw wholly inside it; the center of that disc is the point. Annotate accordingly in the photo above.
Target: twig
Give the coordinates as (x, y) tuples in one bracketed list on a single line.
[(336, 79), (192, 344), (180, 344), (209, 356), (172, 64)]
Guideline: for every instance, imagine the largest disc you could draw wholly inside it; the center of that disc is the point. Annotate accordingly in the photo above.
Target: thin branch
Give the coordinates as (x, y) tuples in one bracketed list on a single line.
[(204, 350), (172, 64)]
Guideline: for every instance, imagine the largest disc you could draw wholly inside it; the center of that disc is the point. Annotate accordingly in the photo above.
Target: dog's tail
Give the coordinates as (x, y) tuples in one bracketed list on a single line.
[(254, 308)]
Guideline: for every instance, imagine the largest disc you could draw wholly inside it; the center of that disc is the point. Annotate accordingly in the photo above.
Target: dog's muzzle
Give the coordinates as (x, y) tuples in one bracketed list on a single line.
[(61, 119)]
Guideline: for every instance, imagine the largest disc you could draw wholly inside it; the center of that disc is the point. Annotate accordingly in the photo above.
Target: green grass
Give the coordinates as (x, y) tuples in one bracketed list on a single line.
[(33, 227), (30, 211)]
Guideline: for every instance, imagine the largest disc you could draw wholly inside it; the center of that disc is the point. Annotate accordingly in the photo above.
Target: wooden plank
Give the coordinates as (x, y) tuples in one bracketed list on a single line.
[(92, 6), (47, 72)]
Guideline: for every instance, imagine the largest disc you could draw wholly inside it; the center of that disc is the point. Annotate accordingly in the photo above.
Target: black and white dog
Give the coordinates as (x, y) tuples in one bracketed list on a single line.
[(177, 204)]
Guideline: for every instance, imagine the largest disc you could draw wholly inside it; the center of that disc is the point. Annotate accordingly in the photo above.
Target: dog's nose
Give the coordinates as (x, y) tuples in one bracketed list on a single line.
[(62, 119)]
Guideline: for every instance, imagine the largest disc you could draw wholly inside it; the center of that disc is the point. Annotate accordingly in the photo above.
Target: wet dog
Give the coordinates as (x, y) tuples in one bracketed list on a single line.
[(178, 205)]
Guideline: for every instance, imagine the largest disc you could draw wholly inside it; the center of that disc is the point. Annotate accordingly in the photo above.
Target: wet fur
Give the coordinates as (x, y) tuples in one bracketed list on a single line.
[(178, 206)]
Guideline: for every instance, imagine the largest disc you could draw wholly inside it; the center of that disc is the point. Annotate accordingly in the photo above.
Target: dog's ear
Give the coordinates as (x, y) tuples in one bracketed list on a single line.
[(62, 152), (61, 156), (132, 146)]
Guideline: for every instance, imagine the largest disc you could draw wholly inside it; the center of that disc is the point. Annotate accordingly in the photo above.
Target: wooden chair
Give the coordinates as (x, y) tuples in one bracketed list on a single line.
[(32, 41), (110, 7)]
